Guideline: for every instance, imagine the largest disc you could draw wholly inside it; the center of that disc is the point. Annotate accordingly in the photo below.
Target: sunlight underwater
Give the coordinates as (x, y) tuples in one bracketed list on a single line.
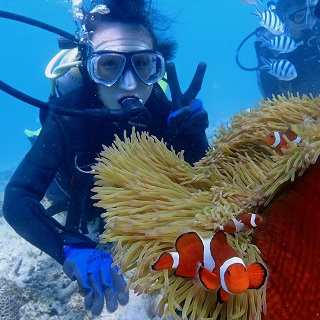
[(151, 196)]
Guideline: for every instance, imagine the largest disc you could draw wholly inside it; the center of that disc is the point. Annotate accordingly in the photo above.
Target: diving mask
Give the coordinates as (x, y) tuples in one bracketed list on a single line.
[(301, 16), (106, 67)]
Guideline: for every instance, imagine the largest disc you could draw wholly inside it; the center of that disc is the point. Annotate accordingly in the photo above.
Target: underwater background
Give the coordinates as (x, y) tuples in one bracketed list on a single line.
[(206, 30)]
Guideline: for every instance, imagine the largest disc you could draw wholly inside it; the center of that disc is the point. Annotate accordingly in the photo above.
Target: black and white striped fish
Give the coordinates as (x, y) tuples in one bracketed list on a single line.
[(270, 20), (280, 68), (281, 43)]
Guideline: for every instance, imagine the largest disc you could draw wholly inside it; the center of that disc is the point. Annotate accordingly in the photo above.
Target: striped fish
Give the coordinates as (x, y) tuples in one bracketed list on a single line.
[(280, 68), (281, 43), (270, 20)]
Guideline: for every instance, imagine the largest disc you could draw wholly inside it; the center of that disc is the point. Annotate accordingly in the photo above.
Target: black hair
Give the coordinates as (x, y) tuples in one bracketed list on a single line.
[(139, 12)]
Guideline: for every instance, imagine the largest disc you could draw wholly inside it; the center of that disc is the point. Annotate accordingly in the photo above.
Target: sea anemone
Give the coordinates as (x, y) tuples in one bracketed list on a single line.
[(151, 196)]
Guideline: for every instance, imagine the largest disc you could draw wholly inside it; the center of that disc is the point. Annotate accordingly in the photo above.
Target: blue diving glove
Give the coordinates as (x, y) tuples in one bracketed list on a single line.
[(188, 119), (187, 114), (95, 276)]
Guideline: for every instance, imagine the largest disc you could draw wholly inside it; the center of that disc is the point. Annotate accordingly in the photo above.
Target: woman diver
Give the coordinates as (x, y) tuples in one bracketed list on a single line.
[(122, 60)]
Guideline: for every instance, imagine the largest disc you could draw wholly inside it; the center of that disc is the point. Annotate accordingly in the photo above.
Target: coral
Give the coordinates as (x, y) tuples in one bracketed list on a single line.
[(289, 243), (151, 196), (9, 300)]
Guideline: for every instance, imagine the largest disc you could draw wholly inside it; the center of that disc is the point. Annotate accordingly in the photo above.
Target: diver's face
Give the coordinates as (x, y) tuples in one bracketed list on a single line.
[(300, 18), (119, 37)]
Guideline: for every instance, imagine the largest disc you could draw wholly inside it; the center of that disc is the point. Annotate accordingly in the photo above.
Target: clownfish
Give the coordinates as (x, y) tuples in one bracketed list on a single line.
[(215, 262), (277, 141), (192, 251), (230, 272), (241, 223)]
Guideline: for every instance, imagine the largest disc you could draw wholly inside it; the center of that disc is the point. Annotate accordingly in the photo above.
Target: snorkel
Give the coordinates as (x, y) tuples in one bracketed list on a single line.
[(310, 20)]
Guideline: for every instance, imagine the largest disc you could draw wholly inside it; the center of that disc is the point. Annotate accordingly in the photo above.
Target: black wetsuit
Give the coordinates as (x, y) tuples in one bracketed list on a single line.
[(64, 141), (305, 58)]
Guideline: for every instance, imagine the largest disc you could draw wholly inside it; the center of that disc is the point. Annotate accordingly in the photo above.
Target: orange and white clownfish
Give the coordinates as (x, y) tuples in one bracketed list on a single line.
[(241, 223), (277, 141), (230, 272), (192, 251)]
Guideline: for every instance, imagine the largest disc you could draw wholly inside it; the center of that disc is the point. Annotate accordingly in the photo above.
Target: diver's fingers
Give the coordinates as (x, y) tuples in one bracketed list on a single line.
[(176, 94), (196, 83)]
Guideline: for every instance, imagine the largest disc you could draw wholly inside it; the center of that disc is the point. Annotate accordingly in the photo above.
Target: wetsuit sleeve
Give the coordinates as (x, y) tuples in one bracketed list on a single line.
[(22, 208)]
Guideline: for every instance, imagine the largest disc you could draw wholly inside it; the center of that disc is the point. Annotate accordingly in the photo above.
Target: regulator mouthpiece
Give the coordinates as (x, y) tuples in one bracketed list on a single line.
[(135, 114)]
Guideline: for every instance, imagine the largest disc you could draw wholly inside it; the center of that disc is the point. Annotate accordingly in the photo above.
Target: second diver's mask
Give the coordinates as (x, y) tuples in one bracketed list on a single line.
[(303, 18), (106, 67)]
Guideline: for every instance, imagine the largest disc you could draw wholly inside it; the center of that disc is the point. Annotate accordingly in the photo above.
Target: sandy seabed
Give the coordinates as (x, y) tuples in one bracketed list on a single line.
[(33, 286)]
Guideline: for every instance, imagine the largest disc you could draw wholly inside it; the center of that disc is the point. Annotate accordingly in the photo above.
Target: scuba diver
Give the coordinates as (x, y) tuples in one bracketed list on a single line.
[(288, 60), (121, 59)]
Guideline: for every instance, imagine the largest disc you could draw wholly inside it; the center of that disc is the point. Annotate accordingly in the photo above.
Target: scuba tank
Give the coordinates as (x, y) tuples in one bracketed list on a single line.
[(66, 76)]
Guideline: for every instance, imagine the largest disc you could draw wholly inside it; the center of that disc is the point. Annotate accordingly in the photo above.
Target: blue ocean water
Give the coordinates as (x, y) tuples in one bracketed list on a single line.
[(206, 30)]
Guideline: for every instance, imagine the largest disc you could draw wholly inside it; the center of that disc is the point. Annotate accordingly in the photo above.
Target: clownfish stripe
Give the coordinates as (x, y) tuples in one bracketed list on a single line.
[(224, 268), (277, 139), (175, 257), (208, 261), (297, 140), (252, 220), (238, 224)]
